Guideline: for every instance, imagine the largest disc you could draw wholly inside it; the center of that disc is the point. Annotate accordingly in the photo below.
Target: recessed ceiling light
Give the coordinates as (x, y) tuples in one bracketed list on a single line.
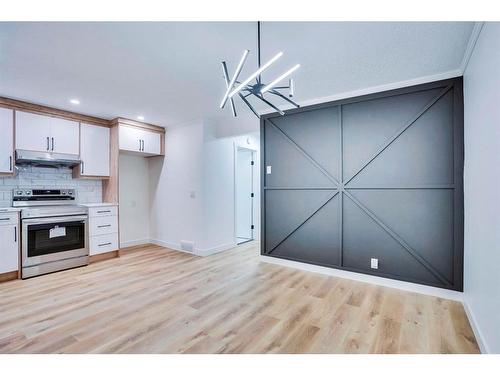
[(141, 118), (74, 101)]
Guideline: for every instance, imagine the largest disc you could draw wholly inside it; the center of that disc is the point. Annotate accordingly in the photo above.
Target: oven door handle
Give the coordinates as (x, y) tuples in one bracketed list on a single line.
[(55, 220)]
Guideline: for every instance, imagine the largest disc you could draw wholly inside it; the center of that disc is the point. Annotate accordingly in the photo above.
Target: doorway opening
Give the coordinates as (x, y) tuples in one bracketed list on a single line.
[(244, 195)]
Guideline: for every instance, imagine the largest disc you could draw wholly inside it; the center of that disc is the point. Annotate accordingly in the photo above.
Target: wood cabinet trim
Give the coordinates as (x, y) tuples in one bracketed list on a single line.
[(19, 105), (136, 124)]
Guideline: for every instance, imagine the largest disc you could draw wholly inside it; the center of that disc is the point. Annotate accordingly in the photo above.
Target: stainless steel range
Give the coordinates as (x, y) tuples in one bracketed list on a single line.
[(54, 230)]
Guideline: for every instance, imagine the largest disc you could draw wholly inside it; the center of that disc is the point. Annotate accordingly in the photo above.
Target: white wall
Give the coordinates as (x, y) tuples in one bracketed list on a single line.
[(134, 200), (219, 189), (175, 188), (192, 188), (482, 187)]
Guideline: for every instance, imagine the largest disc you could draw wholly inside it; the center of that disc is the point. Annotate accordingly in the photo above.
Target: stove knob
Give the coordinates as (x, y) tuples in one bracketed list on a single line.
[(63, 192), (19, 192), (28, 192)]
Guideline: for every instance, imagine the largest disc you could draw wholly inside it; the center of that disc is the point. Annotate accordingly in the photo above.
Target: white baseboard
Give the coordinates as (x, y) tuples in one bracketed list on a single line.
[(214, 250), (143, 241), (403, 285), (475, 328), (197, 251)]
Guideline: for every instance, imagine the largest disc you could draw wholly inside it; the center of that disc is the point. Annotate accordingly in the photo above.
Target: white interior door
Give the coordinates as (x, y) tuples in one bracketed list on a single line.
[(244, 195)]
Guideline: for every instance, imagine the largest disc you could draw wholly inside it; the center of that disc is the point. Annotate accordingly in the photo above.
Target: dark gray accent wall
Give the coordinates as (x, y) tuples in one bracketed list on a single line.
[(377, 176)]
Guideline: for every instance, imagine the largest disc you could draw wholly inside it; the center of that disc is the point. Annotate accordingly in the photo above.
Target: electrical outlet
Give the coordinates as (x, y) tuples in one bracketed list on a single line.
[(268, 169), (374, 263)]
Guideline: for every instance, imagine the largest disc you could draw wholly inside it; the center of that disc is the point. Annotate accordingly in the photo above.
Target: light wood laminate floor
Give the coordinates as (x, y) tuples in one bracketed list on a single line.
[(155, 300)]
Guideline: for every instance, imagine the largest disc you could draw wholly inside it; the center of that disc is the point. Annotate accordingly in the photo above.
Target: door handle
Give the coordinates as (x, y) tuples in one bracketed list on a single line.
[(10, 163), (48, 144), (52, 143)]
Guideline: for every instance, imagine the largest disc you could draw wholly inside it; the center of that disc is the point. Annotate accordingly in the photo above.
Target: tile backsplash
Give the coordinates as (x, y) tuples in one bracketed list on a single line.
[(88, 191)]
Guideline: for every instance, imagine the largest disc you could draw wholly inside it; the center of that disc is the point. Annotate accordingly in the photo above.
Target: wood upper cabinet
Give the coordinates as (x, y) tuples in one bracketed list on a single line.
[(47, 134), (139, 141), (6, 140), (94, 150)]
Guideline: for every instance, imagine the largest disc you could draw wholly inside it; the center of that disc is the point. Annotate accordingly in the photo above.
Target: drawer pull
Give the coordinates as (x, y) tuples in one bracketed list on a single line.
[(103, 212), (103, 226), (4, 218), (104, 244)]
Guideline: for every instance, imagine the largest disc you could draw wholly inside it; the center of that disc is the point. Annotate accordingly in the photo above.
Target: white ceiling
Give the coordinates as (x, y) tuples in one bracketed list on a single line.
[(170, 72)]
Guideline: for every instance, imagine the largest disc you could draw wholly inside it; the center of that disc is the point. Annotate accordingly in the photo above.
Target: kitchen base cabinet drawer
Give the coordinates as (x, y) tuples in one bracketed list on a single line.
[(103, 225), (103, 211), (103, 244), (8, 218)]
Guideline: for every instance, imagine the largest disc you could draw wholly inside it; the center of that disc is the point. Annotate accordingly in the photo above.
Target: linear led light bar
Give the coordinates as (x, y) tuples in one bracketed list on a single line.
[(254, 75), (281, 77), (235, 77)]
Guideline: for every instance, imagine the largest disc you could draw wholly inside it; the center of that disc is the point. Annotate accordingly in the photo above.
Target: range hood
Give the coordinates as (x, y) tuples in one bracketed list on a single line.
[(47, 159)]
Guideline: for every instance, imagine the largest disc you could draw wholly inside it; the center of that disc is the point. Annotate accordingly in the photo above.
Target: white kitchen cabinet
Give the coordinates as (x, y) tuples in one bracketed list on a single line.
[(151, 143), (47, 134), (139, 141), (103, 228), (9, 245), (64, 136), (6, 140), (32, 132), (94, 150)]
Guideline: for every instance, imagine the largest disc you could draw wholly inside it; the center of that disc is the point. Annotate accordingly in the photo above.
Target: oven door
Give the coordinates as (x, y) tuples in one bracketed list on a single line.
[(55, 238)]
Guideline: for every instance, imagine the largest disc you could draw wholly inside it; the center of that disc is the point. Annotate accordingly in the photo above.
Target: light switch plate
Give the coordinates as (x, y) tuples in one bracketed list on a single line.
[(374, 263), (268, 169)]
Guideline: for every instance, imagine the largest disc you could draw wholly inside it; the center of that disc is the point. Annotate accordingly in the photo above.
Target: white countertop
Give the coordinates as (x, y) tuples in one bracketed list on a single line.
[(10, 209), (98, 204)]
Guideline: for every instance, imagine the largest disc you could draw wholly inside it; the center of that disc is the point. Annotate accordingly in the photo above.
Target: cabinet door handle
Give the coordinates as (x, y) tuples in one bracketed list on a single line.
[(4, 218), (52, 143), (15, 234), (82, 168), (140, 145), (102, 212), (142, 141), (103, 226), (10, 163), (104, 244), (48, 144)]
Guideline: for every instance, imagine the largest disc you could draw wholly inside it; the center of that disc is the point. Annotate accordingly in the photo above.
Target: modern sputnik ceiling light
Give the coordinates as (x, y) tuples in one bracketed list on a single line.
[(246, 88)]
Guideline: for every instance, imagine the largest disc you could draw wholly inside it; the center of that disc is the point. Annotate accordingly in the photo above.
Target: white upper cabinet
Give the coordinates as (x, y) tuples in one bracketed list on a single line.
[(139, 141), (44, 133), (32, 132), (6, 140), (94, 150), (151, 143), (64, 136)]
